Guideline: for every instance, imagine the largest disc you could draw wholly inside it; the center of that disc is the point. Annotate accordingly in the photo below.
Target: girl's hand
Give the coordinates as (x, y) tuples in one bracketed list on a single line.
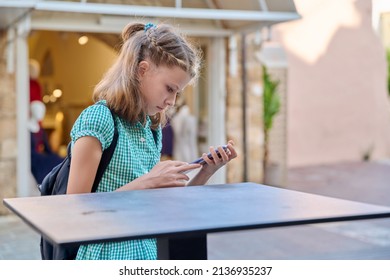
[(165, 174), (212, 165)]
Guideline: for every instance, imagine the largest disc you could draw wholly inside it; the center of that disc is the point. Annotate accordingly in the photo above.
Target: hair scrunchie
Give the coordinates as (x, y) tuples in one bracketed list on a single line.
[(149, 25)]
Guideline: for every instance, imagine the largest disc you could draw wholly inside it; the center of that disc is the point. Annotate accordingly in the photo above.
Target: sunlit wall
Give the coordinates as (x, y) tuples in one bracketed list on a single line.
[(338, 106)]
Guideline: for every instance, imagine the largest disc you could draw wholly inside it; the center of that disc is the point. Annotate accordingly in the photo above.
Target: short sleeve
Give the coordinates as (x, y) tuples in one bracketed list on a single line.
[(95, 121)]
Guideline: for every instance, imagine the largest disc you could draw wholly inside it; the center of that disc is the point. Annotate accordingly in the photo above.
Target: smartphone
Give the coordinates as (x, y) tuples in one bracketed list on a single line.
[(201, 160)]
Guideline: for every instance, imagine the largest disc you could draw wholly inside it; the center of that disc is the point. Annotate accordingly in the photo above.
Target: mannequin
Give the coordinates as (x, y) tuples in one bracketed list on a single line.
[(184, 125), (37, 111), (35, 87), (42, 158), (37, 108)]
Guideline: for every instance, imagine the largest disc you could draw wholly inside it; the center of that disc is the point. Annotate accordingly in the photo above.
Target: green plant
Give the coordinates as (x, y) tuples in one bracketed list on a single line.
[(271, 106), (388, 70)]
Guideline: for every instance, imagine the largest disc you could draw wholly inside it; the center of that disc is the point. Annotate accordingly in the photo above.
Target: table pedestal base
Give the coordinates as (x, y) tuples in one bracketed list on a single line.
[(182, 248)]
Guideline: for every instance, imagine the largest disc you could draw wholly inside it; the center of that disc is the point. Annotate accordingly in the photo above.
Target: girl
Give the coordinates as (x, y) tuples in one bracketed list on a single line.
[(154, 65)]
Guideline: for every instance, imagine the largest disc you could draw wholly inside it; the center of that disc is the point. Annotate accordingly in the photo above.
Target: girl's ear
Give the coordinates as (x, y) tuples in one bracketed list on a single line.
[(143, 67)]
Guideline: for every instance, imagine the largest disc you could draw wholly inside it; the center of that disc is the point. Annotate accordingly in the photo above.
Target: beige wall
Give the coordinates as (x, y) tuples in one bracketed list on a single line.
[(338, 107)]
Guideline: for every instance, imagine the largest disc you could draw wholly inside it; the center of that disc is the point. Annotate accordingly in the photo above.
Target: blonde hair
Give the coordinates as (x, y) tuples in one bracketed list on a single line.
[(161, 45)]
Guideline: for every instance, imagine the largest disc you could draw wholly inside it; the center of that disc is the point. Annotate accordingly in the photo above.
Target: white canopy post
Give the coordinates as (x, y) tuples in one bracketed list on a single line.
[(217, 100), (22, 105)]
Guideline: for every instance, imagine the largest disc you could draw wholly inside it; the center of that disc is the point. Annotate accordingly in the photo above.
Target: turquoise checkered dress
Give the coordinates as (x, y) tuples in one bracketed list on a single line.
[(137, 151)]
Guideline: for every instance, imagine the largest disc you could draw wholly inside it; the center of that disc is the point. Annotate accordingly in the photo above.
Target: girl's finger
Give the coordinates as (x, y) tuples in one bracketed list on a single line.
[(214, 154), (223, 154), (188, 167)]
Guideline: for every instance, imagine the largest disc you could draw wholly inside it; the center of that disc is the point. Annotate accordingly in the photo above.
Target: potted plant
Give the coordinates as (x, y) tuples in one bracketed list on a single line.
[(271, 107)]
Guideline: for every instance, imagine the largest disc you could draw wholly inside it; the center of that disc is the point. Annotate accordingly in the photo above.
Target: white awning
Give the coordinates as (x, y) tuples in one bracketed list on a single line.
[(195, 17)]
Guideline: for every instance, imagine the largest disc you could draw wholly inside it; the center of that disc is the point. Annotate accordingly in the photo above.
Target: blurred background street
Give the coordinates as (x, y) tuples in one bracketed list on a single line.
[(301, 86)]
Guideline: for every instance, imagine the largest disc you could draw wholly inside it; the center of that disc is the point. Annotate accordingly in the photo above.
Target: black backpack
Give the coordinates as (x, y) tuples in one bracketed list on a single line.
[(56, 183)]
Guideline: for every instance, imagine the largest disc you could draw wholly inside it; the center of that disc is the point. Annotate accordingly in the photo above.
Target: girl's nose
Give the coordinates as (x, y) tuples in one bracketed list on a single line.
[(171, 100)]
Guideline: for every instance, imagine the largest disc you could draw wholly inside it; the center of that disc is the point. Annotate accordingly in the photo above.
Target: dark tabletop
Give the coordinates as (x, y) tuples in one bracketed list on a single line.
[(180, 212)]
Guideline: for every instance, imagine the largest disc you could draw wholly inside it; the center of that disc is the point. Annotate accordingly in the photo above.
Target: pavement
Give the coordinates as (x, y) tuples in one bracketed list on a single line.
[(354, 240)]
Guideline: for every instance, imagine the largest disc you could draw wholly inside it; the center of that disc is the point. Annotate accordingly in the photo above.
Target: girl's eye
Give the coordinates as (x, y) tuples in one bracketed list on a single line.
[(169, 89)]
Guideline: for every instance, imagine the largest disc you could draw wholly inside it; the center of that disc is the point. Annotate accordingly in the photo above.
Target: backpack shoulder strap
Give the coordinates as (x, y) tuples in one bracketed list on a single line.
[(106, 157)]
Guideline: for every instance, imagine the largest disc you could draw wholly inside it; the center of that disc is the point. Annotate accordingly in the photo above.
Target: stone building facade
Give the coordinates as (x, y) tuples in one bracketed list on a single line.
[(249, 165), (8, 128)]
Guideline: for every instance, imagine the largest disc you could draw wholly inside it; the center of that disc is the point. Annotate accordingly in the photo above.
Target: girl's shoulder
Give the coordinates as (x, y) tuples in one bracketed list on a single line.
[(97, 121), (98, 111)]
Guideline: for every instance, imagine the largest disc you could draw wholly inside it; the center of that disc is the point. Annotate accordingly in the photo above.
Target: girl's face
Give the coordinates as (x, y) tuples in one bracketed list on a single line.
[(160, 85)]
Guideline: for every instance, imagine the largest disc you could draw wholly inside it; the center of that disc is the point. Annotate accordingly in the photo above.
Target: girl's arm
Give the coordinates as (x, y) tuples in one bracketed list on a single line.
[(164, 174), (86, 155), (212, 165)]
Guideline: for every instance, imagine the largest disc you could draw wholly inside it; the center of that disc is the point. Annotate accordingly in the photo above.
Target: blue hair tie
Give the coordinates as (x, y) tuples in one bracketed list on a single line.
[(149, 25)]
